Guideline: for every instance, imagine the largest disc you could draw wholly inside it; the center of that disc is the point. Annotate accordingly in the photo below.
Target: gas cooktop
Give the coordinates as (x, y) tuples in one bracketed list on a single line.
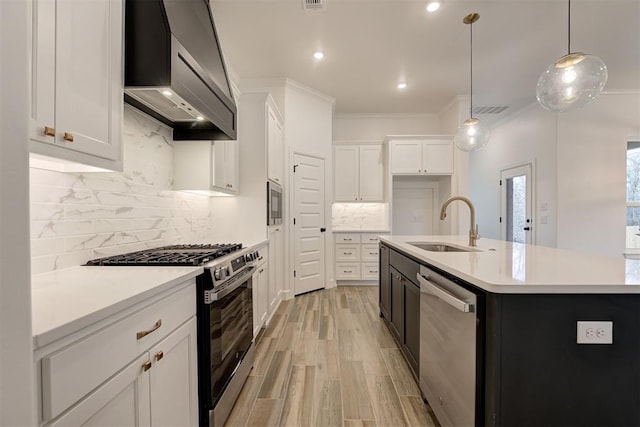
[(173, 255)]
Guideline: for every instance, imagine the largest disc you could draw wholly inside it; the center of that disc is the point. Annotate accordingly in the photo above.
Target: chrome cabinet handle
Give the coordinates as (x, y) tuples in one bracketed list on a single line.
[(68, 137), (442, 294), (142, 334), (49, 131)]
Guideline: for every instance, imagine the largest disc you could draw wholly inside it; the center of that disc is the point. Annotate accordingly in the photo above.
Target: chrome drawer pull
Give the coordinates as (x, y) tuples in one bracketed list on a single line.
[(142, 334)]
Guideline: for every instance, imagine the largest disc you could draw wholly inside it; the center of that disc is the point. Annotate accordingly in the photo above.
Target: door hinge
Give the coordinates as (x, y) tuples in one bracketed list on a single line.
[(294, 221), (294, 273), (500, 182), (294, 168), (500, 220)]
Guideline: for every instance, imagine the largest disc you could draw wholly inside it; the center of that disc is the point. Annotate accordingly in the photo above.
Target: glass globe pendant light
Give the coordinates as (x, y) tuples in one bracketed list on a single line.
[(572, 81), (472, 135)]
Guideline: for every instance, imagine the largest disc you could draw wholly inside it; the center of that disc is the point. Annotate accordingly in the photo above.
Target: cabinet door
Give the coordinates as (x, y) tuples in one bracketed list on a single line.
[(260, 298), (411, 343), (174, 380), (371, 173), (121, 401), (276, 268), (43, 70), (406, 157), (397, 304), (89, 76), (385, 282), (438, 157), (275, 146), (346, 173), (224, 164)]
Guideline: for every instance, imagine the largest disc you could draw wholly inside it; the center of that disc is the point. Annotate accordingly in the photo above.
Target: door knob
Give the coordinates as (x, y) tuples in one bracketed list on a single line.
[(527, 228), (322, 229)]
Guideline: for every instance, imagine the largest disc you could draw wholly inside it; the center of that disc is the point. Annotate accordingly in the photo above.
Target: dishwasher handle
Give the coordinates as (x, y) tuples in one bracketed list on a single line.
[(445, 296)]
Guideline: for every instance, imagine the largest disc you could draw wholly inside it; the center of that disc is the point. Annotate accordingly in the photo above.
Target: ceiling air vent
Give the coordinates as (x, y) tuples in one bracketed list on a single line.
[(313, 4), (489, 109)]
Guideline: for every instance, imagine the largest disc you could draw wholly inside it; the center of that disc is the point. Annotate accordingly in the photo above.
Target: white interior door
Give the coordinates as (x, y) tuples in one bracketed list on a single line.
[(309, 264), (516, 221)]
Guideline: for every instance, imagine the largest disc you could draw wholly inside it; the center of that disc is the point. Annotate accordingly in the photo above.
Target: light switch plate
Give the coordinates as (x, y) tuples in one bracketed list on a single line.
[(590, 332)]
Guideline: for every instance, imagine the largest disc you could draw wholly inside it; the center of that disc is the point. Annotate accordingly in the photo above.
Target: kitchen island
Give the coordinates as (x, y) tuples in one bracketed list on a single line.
[(504, 333)]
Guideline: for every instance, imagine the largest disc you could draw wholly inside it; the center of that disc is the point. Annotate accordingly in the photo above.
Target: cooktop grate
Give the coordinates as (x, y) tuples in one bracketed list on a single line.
[(173, 255)]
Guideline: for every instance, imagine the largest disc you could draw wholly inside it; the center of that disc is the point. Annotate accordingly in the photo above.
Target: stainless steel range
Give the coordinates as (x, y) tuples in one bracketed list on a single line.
[(224, 317)]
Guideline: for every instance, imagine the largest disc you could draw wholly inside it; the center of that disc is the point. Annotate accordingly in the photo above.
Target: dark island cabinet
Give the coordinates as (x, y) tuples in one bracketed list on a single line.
[(400, 302), (385, 282)]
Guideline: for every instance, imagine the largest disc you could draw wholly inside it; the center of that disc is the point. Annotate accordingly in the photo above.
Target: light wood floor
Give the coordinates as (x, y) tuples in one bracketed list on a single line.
[(327, 359)]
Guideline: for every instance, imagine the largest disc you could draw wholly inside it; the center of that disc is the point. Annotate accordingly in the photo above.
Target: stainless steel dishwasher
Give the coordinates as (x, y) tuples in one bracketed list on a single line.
[(448, 348)]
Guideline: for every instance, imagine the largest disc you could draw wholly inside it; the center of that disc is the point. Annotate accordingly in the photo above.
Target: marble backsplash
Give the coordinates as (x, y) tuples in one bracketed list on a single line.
[(360, 216), (76, 217)]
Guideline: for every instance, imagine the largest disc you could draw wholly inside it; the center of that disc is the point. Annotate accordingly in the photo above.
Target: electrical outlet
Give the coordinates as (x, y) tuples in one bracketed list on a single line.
[(595, 332)]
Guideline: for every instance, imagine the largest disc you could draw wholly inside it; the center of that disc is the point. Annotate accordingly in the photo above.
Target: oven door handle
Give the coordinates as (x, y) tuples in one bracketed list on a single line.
[(218, 295)]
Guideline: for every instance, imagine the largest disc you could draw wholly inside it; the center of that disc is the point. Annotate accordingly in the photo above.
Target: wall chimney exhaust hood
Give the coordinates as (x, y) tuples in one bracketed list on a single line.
[(174, 69)]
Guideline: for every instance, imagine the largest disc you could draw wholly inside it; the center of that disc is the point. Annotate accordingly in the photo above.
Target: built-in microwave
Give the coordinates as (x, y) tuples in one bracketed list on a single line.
[(274, 203)]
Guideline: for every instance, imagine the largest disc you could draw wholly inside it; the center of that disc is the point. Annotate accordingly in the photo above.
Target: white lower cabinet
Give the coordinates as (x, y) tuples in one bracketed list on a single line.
[(90, 380), (261, 291), (357, 256), (276, 267)]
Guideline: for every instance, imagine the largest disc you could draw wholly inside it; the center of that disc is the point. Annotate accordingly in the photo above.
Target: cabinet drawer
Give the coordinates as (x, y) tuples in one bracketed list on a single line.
[(370, 238), (347, 238), (348, 271), (263, 255), (370, 253), (370, 271), (72, 372), (347, 253)]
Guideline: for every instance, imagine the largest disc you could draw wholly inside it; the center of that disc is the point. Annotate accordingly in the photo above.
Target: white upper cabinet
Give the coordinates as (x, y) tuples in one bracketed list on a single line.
[(275, 144), (421, 156), (225, 171), (209, 166), (77, 81), (358, 173)]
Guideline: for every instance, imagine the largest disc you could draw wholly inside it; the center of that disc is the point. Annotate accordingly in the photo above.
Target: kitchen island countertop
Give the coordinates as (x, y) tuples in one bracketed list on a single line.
[(513, 268)]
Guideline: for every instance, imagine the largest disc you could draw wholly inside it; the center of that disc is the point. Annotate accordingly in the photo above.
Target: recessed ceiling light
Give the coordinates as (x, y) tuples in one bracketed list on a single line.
[(402, 85), (432, 6), (318, 55), (199, 118), (167, 93)]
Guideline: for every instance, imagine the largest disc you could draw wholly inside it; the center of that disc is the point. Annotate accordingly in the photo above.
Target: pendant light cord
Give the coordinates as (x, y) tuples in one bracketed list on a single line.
[(569, 29), (471, 66)]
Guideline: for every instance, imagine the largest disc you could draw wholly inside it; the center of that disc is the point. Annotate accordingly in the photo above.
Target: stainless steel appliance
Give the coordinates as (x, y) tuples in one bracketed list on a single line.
[(274, 203), (224, 317), (448, 348)]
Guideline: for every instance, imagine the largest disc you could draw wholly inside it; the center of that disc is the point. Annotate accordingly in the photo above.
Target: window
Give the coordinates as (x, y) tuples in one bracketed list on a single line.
[(633, 195)]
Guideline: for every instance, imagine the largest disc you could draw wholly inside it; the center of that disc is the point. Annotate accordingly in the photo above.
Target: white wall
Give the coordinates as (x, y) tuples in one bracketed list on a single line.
[(528, 136), (17, 396), (592, 145), (580, 171), (359, 127), (76, 217)]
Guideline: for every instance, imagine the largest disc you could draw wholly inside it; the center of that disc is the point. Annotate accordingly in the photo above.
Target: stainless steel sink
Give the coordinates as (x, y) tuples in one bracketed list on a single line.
[(441, 247)]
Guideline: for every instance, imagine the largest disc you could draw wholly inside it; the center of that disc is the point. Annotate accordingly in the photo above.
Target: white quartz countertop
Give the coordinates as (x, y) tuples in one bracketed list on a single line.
[(67, 300), (504, 267)]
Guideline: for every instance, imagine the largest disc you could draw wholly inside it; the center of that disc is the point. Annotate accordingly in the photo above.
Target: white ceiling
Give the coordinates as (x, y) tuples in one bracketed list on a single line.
[(370, 45)]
